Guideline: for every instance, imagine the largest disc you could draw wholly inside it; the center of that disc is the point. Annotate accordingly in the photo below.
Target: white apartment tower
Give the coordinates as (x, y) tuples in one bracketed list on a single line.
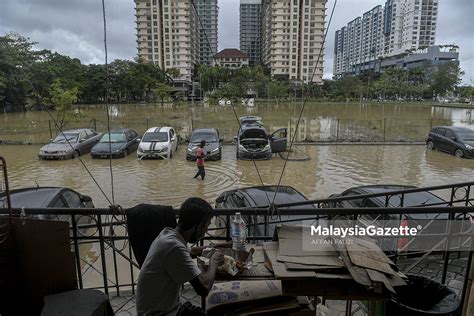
[(409, 24), (167, 34), (208, 12), (251, 29), (292, 38), (401, 26)]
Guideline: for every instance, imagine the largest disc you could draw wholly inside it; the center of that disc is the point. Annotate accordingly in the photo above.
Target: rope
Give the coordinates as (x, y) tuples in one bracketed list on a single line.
[(304, 102)]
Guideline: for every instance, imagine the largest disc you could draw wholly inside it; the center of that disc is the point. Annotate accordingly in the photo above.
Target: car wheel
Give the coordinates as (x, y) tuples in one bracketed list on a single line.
[(75, 154), (430, 145), (459, 153)]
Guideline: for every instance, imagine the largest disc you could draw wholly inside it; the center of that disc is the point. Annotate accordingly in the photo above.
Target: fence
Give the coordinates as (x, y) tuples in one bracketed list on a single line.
[(318, 129), (118, 271)]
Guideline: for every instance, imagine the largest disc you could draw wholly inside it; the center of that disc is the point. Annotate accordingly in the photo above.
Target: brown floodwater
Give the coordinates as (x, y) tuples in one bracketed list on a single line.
[(331, 168)]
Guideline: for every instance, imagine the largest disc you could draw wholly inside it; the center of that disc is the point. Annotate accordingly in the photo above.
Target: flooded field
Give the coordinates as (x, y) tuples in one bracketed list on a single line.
[(323, 122)]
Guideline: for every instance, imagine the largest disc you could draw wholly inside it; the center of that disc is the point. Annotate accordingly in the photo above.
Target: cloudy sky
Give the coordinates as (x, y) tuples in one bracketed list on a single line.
[(74, 27)]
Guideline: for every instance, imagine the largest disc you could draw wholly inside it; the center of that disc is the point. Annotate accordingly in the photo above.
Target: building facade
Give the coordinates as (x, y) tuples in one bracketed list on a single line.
[(167, 35), (292, 38), (251, 29), (208, 12), (231, 58), (399, 27)]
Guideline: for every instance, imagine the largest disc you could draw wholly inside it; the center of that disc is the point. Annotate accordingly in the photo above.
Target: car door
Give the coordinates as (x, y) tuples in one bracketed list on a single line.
[(82, 143), (132, 141), (450, 141), (437, 135), (278, 140), (442, 142)]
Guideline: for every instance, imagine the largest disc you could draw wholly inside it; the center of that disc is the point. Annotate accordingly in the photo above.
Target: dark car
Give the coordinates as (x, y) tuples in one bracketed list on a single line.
[(253, 141), (123, 141), (455, 140), (428, 222), (261, 196), (213, 146), (70, 144), (44, 197)]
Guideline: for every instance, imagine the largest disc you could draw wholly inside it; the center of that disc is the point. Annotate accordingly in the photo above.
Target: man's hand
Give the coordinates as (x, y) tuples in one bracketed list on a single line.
[(217, 259), (196, 251)]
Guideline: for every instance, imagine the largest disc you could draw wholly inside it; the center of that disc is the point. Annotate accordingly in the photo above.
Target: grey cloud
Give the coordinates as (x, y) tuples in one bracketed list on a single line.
[(74, 27)]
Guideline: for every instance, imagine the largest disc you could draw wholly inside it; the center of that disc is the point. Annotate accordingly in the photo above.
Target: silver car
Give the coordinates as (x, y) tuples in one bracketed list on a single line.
[(70, 144)]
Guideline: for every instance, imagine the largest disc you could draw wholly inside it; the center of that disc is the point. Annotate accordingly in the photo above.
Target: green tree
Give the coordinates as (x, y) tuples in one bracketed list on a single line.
[(61, 100), (163, 91), (444, 78)]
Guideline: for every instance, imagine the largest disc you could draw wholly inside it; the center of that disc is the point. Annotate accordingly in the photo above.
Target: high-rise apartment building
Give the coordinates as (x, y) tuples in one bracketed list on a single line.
[(208, 12), (401, 26), (292, 38), (251, 29), (167, 35)]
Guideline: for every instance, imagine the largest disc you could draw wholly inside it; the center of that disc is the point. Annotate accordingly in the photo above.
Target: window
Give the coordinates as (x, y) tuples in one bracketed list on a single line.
[(72, 199), (449, 134)]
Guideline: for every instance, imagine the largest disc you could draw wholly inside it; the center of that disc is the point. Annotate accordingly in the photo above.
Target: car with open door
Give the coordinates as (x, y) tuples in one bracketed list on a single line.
[(254, 143)]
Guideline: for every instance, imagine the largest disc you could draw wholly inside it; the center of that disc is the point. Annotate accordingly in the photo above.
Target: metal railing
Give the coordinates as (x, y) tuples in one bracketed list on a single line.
[(115, 254)]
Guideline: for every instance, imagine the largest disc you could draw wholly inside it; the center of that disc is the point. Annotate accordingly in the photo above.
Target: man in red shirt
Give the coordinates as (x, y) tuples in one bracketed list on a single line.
[(200, 154)]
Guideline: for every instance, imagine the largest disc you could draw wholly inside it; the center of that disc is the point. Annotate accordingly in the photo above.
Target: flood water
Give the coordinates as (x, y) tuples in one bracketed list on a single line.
[(331, 168)]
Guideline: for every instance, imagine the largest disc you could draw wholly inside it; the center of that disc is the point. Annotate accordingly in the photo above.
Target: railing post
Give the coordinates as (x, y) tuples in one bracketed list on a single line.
[(50, 130), (132, 276), (117, 286), (76, 251), (384, 128), (95, 124), (337, 131), (147, 121), (102, 254)]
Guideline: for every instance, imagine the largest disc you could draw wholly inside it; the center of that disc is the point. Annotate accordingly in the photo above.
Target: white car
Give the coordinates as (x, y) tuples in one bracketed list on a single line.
[(158, 142)]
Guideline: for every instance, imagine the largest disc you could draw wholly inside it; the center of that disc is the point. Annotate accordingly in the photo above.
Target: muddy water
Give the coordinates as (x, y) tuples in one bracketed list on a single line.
[(331, 169), (320, 121)]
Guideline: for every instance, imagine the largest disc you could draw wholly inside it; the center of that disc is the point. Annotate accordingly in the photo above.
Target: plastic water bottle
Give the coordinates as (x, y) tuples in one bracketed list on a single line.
[(238, 232)]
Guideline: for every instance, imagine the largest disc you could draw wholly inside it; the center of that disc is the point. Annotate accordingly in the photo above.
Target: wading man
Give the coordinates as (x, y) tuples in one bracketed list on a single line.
[(200, 154), (168, 264)]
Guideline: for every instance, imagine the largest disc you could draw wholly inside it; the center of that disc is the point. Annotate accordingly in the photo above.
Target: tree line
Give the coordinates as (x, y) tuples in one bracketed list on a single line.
[(46, 78)]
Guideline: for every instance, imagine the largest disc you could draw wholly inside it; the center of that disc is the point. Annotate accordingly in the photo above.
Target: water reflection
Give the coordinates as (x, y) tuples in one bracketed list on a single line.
[(331, 169), (320, 121)]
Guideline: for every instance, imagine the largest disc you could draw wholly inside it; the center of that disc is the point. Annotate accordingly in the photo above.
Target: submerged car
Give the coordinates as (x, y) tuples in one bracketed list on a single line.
[(431, 223), (253, 141), (45, 197), (261, 196), (122, 141), (455, 140), (213, 146), (70, 144), (158, 142)]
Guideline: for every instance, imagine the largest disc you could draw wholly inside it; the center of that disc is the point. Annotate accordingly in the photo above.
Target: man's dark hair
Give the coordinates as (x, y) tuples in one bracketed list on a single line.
[(194, 211), (203, 143)]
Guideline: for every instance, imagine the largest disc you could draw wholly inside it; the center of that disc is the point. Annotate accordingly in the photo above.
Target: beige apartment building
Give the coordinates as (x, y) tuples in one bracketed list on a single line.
[(292, 38), (167, 35)]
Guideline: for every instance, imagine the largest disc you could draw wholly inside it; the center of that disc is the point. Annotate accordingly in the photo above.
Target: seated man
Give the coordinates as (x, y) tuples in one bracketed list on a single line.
[(168, 264)]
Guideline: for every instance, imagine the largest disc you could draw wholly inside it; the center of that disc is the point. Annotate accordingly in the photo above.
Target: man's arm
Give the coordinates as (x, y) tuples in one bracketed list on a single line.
[(202, 284)]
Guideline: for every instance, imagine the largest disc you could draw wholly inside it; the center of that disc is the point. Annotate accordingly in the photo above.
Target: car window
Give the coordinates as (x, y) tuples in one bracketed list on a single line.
[(83, 135), (449, 134), (440, 131), (72, 199), (58, 203), (90, 133)]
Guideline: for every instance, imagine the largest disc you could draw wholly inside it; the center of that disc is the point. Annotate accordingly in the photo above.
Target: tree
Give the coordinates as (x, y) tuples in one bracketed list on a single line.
[(163, 91), (61, 101), (444, 78)]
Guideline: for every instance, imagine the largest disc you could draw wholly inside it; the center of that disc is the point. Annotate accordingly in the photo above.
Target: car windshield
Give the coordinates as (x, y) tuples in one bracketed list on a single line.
[(208, 137), (64, 138), (155, 137), (114, 138), (466, 135)]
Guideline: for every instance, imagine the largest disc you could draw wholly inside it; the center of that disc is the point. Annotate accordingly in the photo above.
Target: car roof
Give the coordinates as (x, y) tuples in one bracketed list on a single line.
[(158, 129), (205, 130), (252, 126), (120, 130), (409, 199), (32, 197), (260, 195), (457, 128), (77, 130)]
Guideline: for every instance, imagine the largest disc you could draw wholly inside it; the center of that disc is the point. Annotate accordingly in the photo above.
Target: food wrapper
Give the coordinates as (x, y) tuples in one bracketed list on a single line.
[(234, 260)]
